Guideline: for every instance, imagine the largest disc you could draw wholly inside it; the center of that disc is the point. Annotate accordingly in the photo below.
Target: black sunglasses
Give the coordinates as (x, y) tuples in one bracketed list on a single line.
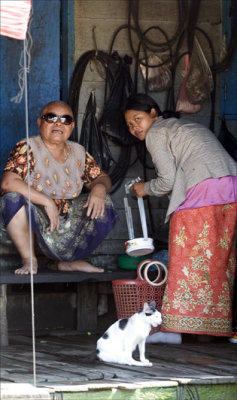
[(51, 118)]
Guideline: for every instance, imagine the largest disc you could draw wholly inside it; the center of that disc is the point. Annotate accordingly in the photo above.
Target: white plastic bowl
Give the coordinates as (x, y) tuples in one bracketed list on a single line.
[(139, 246)]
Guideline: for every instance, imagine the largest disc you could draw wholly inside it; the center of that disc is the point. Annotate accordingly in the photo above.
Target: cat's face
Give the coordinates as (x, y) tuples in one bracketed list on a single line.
[(153, 315), (156, 319)]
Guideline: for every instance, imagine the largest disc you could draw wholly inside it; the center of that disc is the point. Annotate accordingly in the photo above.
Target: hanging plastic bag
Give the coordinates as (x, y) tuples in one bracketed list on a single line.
[(92, 138), (156, 74), (228, 141), (111, 122), (183, 104), (199, 81)]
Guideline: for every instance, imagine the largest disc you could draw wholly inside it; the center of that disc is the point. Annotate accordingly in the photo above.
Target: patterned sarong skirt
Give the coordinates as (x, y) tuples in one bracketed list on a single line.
[(202, 261), (78, 234)]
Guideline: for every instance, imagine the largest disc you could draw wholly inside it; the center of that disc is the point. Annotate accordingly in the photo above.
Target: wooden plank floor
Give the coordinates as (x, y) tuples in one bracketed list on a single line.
[(60, 366)]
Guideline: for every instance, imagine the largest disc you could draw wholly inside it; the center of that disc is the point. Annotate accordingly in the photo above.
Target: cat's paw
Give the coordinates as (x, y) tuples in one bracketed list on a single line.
[(147, 363)]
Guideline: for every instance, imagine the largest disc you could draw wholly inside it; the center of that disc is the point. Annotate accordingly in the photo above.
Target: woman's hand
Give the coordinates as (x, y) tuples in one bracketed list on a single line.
[(53, 214), (138, 189), (96, 201), (11, 182)]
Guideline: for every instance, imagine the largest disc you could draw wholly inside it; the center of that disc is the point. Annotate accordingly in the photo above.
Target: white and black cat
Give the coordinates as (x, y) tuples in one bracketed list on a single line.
[(122, 338)]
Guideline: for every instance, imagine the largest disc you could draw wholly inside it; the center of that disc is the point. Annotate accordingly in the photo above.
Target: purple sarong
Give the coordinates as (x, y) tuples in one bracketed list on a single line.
[(78, 235)]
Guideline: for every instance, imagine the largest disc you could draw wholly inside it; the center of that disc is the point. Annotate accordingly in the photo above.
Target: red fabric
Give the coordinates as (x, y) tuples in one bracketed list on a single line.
[(199, 289), (183, 104), (14, 18)]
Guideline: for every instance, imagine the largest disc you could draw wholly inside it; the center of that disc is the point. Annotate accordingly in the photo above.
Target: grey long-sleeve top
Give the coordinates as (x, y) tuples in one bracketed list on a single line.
[(184, 154)]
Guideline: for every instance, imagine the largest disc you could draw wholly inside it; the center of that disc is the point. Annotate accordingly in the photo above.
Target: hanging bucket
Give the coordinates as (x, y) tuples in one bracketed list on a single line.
[(136, 246)]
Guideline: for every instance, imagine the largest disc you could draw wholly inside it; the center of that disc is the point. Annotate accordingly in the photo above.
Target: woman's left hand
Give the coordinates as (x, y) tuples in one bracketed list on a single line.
[(96, 201), (138, 189)]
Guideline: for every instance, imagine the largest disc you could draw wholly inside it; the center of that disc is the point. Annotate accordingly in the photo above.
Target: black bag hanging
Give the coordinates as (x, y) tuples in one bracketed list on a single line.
[(92, 138), (228, 141), (111, 121)]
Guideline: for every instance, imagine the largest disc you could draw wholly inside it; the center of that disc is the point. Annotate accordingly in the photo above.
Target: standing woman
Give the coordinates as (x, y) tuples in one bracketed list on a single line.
[(200, 179)]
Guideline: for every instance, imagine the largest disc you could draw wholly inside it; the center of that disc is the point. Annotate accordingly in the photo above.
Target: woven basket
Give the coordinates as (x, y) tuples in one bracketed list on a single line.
[(130, 295)]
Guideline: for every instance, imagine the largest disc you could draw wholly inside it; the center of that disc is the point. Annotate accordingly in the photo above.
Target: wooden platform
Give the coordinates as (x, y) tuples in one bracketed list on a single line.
[(48, 276), (87, 292), (192, 370)]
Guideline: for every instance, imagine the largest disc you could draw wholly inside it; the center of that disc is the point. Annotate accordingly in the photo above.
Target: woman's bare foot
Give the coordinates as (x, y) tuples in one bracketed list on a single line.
[(79, 265), (26, 268)]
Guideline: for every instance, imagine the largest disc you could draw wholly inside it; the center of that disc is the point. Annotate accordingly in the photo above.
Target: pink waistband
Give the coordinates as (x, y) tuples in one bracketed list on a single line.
[(211, 191)]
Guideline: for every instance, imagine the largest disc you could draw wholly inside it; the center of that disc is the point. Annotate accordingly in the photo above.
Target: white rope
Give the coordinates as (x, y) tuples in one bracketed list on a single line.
[(24, 88), (30, 222), (25, 61)]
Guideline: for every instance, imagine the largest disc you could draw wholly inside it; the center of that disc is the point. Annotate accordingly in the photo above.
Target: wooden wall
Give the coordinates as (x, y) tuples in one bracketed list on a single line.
[(106, 16)]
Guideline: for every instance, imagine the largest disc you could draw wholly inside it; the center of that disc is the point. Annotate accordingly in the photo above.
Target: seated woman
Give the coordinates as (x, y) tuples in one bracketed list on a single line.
[(68, 225)]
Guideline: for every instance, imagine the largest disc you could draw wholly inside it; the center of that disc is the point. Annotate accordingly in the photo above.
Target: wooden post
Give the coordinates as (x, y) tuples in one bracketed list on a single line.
[(3, 315), (87, 307)]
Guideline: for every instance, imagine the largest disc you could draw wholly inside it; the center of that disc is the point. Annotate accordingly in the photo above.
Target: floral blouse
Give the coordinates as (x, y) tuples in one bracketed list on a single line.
[(17, 163)]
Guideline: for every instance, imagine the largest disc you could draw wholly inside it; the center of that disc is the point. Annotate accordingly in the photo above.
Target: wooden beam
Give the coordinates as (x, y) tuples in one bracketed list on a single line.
[(87, 307)]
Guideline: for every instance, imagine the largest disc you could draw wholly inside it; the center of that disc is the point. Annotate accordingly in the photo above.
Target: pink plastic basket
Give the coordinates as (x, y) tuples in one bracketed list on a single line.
[(130, 295)]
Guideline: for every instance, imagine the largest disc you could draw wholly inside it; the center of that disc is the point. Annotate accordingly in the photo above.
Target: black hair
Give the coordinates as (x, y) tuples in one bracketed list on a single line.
[(143, 102)]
